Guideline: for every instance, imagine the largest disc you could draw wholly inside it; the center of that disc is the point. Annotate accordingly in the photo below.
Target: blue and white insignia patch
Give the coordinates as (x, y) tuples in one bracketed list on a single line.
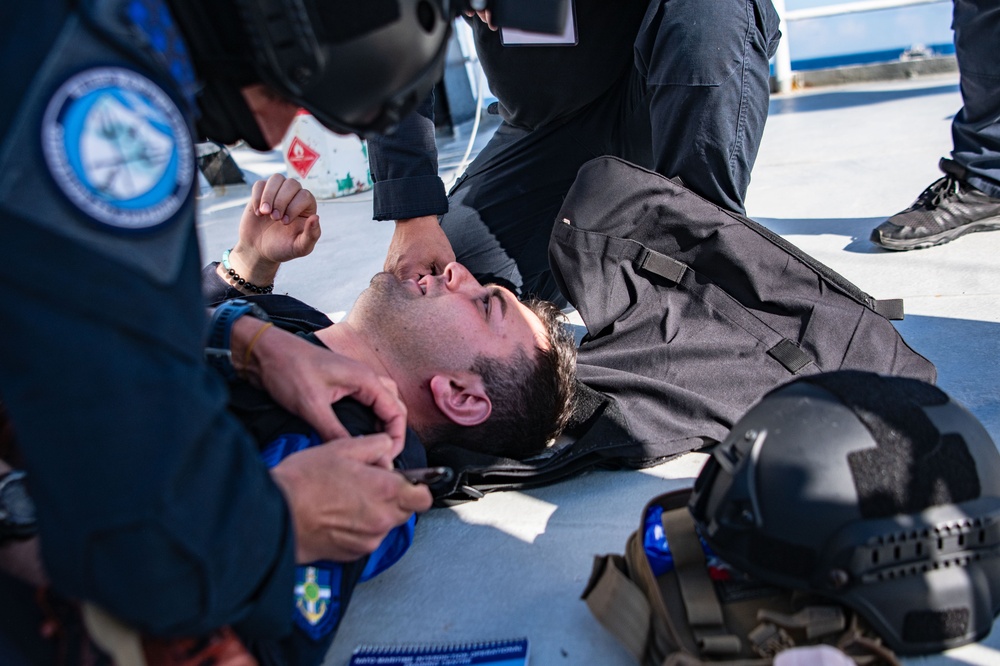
[(317, 599), (119, 148)]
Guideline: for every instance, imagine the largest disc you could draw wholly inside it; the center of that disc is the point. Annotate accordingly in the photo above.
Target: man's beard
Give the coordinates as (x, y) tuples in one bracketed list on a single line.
[(395, 322), (383, 306), (384, 291)]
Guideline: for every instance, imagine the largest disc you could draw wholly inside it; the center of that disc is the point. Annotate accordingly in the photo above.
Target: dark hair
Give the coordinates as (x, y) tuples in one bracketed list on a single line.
[(532, 398)]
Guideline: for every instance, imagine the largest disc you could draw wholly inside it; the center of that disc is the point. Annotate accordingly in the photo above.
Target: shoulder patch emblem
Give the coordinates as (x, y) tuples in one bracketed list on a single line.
[(317, 599), (119, 148)]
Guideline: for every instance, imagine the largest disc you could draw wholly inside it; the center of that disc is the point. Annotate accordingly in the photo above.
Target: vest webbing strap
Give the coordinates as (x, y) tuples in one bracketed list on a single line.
[(660, 264), (697, 590), (890, 308), (618, 604), (788, 354)]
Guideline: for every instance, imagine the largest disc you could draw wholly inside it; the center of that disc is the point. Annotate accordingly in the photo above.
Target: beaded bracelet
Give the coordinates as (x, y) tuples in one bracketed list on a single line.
[(240, 282)]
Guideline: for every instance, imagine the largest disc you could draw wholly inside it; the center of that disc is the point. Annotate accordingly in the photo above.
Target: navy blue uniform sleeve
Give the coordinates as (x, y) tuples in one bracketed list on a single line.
[(404, 168), (214, 289), (152, 500)]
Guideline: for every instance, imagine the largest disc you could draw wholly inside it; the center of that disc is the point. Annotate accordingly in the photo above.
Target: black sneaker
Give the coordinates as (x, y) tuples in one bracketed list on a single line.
[(944, 211)]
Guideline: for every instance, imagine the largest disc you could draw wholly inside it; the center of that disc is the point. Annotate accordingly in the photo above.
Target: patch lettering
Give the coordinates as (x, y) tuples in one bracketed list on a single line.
[(119, 148)]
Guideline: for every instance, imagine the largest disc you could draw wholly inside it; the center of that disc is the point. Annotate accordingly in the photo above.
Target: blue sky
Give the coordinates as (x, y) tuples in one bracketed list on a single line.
[(867, 31)]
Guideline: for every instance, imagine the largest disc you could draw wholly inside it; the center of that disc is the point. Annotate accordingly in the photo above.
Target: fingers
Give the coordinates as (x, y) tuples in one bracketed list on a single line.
[(378, 393), (368, 449), (301, 204), (393, 500), (389, 408), (418, 247), (342, 506), (381, 394), (371, 449), (268, 193), (414, 497), (305, 241), (306, 380), (320, 416), (407, 269), (485, 15), (256, 194), (282, 199)]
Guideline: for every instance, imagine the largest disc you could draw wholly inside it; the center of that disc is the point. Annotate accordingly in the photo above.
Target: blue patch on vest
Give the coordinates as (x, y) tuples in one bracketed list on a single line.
[(317, 599), (317, 586), (119, 148)]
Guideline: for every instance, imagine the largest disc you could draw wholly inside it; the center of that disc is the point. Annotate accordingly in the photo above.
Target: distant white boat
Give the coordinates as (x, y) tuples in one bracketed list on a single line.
[(916, 52)]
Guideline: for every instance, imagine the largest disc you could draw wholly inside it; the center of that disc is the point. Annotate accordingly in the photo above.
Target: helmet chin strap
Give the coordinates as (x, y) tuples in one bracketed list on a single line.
[(217, 40)]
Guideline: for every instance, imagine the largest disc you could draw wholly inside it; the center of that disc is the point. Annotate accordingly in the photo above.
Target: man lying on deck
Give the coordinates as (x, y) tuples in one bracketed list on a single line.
[(474, 366)]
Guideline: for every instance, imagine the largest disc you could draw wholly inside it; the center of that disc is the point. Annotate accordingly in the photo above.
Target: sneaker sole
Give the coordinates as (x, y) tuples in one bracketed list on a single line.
[(988, 224)]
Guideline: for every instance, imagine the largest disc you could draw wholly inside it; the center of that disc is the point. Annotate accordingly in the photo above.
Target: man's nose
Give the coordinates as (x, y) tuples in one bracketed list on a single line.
[(457, 276)]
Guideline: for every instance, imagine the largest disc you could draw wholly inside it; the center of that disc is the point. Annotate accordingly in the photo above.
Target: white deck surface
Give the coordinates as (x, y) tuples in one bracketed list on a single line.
[(834, 163)]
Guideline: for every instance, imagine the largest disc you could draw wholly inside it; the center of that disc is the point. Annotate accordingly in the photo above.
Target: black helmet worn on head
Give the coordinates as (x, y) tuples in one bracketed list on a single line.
[(358, 67), (879, 492)]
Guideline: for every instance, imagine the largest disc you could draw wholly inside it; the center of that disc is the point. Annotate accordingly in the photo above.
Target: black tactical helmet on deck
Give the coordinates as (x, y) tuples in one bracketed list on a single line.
[(879, 492), (357, 66)]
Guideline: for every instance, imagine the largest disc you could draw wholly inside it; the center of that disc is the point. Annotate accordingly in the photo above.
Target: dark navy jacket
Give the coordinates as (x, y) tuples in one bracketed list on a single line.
[(152, 500), (535, 86)]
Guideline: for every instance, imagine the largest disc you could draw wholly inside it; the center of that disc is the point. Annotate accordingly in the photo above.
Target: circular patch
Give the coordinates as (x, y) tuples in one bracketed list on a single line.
[(119, 148)]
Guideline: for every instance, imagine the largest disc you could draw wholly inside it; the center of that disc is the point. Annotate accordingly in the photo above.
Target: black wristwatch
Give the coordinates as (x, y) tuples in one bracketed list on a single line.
[(217, 351), (17, 511)]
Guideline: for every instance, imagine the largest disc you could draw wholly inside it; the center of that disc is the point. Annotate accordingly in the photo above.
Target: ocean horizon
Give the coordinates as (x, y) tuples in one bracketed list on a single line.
[(870, 57)]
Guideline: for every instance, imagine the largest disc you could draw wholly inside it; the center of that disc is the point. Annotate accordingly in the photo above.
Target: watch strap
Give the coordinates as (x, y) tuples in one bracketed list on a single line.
[(218, 351), (17, 510)]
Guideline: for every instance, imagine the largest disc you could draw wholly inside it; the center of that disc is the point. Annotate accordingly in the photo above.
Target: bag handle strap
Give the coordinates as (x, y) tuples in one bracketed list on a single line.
[(618, 604), (697, 590), (785, 352), (659, 264), (890, 308)]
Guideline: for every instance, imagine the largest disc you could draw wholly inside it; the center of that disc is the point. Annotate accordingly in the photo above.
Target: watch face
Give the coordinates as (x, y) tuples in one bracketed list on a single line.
[(17, 511)]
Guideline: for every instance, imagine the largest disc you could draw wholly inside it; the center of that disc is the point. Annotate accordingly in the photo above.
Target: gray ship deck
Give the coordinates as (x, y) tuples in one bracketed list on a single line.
[(834, 163)]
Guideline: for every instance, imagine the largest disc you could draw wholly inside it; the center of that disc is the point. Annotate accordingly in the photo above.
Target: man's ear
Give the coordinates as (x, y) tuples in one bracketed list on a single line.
[(462, 398)]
